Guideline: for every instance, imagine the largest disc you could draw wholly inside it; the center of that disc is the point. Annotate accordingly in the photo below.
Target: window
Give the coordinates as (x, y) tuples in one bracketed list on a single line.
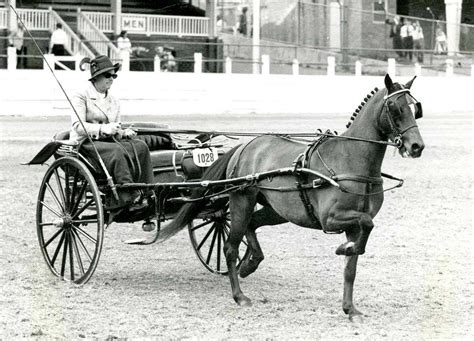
[(379, 11)]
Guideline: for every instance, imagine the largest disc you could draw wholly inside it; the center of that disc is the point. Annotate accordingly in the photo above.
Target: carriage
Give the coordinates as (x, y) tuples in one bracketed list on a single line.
[(72, 211), (331, 183)]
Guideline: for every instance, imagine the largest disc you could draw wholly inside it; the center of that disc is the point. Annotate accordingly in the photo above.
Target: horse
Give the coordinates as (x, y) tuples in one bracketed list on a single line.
[(351, 160)]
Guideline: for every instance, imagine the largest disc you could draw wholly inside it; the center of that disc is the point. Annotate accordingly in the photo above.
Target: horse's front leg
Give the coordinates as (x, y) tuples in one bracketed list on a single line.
[(350, 269), (357, 223), (241, 209)]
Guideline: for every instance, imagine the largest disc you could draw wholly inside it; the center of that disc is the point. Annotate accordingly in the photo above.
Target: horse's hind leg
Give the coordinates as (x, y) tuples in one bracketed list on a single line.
[(264, 216), (241, 209)]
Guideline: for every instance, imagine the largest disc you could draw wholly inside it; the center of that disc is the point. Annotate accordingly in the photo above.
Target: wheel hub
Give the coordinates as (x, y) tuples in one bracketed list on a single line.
[(63, 222)]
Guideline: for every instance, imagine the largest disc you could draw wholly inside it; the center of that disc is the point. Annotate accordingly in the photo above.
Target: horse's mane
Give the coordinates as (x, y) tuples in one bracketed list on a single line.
[(359, 108)]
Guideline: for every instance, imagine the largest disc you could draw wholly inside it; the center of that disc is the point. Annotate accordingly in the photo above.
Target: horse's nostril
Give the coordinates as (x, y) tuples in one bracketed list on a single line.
[(416, 148)]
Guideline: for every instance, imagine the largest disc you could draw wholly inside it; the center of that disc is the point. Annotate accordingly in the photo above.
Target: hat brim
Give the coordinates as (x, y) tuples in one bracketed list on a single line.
[(116, 67)]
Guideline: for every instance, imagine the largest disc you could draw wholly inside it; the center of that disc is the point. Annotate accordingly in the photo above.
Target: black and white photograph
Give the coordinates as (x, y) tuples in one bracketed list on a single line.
[(236, 169)]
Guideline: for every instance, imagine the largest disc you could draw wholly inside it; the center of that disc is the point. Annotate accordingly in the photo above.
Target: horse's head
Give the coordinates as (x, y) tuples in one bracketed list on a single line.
[(397, 120)]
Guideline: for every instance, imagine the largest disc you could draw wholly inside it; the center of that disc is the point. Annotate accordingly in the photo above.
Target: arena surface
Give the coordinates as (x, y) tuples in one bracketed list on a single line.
[(414, 282)]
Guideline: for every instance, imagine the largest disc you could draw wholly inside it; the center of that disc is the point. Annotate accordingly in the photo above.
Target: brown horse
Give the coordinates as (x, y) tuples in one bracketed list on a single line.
[(353, 161)]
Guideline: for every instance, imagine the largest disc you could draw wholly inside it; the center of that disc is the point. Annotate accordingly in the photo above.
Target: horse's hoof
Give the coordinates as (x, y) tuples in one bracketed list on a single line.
[(243, 301), (346, 249), (356, 318)]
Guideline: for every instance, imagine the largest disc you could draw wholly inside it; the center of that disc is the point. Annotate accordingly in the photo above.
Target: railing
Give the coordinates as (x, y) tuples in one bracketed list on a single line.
[(34, 19), (74, 44), (3, 18), (153, 24), (96, 38), (103, 21)]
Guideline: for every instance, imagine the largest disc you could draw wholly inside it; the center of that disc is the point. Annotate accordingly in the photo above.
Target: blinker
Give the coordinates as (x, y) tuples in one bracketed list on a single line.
[(419, 111)]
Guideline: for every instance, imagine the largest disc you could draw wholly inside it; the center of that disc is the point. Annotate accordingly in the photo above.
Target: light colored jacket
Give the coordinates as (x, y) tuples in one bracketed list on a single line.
[(94, 109)]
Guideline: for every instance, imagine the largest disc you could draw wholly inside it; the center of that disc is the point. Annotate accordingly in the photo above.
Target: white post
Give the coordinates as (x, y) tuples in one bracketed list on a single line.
[(417, 69), (265, 64), (51, 61), (335, 25), (228, 65), (256, 36), (77, 62), (453, 27), (125, 57), (157, 64), (449, 67), (358, 68), (11, 61), (391, 67), (197, 62), (331, 66), (296, 67)]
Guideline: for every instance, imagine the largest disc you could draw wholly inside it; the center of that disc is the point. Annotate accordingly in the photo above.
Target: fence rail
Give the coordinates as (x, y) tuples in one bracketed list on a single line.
[(153, 24), (96, 38), (74, 44)]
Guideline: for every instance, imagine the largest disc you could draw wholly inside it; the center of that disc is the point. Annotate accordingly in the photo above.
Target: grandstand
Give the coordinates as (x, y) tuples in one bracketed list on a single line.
[(308, 31)]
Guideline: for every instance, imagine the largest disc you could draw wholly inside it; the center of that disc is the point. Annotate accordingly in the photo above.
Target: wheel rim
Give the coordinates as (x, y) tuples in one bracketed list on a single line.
[(208, 237), (70, 220)]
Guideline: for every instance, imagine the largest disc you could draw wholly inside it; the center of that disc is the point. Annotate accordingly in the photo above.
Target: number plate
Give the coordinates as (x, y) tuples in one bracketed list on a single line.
[(204, 157)]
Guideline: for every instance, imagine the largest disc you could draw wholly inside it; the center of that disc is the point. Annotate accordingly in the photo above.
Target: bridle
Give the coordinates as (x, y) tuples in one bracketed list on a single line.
[(394, 130)]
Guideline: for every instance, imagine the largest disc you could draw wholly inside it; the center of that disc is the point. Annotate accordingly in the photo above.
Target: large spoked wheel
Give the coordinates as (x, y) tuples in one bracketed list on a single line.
[(208, 237), (70, 220)]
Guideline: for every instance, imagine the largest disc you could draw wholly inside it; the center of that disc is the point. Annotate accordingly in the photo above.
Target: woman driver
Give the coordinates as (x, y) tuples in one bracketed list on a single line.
[(100, 113)]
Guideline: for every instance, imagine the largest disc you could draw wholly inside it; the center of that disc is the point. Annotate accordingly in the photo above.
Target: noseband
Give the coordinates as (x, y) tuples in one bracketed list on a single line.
[(398, 138)]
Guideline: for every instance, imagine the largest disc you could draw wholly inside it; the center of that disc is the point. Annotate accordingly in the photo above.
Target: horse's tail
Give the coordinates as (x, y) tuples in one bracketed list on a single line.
[(189, 211)]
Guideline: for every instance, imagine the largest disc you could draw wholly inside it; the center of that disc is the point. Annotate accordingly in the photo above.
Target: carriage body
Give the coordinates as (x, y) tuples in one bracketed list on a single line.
[(72, 208)]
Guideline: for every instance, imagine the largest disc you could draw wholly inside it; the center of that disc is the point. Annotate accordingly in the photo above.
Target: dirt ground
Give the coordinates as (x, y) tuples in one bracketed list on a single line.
[(414, 282)]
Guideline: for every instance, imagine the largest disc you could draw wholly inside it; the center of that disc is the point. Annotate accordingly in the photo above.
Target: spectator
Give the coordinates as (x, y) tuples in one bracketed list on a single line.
[(219, 23), (169, 59), (242, 29), (395, 26), (58, 41), (406, 32), (16, 40), (440, 45), (123, 43), (418, 41)]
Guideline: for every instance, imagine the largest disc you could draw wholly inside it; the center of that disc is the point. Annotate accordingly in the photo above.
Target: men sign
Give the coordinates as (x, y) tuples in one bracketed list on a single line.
[(133, 24)]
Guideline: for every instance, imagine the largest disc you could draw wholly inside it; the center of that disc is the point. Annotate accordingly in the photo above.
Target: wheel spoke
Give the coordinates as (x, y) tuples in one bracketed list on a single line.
[(50, 209), (60, 186), (211, 248), (63, 264), (81, 243), (79, 197), (71, 257), (67, 186), (219, 249), (205, 237), (55, 197), (85, 221), (207, 222), (83, 208), (78, 255), (85, 234), (58, 248), (74, 188), (53, 237)]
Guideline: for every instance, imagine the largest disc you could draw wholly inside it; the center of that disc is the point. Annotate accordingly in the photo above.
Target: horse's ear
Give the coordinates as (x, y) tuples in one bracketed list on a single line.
[(388, 82), (408, 85)]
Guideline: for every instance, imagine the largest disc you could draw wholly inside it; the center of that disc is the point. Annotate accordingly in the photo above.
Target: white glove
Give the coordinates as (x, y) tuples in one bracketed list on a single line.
[(110, 129), (129, 133)]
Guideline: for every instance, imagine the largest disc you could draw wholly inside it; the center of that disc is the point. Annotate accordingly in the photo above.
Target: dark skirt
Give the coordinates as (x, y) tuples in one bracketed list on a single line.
[(127, 161)]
